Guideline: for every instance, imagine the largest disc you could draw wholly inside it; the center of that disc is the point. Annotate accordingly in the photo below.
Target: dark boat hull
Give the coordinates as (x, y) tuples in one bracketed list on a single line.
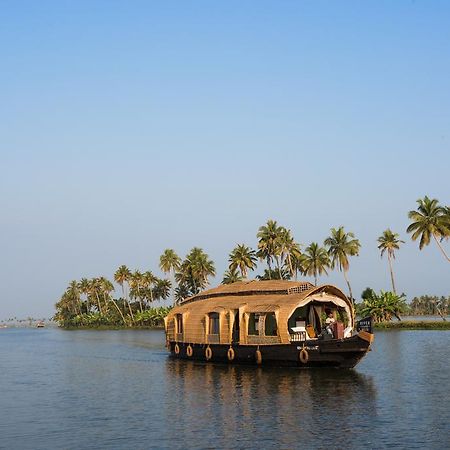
[(337, 353)]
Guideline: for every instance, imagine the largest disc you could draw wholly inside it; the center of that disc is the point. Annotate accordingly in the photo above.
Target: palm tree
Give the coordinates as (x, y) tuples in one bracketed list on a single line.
[(85, 288), (162, 289), (122, 276), (95, 288), (389, 242), (169, 262), (341, 245), (430, 220), (289, 250), (315, 261), (231, 276), (135, 285), (242, 258), (148, 280), (201, 266), (268, 244), (73, 294), (194, 271), (107, 287)]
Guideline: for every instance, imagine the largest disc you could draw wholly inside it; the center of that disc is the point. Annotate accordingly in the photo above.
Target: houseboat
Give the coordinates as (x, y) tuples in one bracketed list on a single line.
[(282, 323)]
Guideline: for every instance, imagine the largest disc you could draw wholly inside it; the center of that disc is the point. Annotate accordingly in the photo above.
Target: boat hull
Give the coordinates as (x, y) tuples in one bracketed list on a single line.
[(336, 353)]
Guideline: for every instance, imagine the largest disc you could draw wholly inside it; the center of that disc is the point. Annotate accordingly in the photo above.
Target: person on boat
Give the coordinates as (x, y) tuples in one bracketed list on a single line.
[(330, 319), (328, 324)]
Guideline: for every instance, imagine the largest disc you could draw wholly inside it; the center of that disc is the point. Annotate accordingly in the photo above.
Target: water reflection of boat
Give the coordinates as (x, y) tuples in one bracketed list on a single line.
[(284, 323)]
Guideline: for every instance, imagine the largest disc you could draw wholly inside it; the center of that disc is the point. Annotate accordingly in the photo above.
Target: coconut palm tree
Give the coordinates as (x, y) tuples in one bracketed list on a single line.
[(231, 276), (85, 288), (389, 242), (162, 289), (341, 245), (268, 244), (107, 287), (169, 263), (430, 220), (315, 261), (148, 280), (242, 258), (201, 266), (122, 276), (73, 295), (95, 289), (136, 286), (194, 271), (289, 250)]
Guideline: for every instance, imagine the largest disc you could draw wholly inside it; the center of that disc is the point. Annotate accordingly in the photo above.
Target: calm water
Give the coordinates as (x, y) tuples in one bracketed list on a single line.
[(119, 390)]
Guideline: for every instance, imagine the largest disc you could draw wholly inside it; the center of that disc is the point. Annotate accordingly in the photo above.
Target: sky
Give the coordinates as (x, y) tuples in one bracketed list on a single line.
[(129, 127)]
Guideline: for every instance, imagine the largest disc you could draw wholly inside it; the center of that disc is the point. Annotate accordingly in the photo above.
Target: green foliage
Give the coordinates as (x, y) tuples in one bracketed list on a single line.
[(242, 258), (384, 306), (89, 303), (315, 261), (367, 293), (430, 220), (276, 243), (152, 317), (282, 274), (414, 325), (193, 273), (231, 276), (429, 305)]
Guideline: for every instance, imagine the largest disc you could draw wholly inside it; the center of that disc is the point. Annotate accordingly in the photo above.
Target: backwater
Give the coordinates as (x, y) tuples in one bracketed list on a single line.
[(120, 390)]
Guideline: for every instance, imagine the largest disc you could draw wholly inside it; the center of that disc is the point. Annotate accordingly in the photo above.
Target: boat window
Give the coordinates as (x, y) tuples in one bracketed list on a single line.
[(253, 324), (298, 317), (270, 325), (214, 323), (179, 319)]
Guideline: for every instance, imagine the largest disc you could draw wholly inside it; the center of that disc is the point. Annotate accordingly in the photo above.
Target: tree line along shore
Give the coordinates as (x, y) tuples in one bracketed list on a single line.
[(94, 302)]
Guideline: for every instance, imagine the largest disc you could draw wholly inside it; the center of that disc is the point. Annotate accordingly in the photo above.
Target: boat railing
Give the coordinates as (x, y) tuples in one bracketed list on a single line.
[(299, 336)]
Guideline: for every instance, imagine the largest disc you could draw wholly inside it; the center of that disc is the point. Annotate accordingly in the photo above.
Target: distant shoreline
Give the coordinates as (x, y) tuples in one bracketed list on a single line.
[(413, 325)]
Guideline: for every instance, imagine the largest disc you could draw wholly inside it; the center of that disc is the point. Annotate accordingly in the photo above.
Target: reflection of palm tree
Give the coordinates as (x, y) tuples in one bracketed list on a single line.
[(242, 258), (430, 220), (341, 245), (315, 261), (122, 276), (389, 242)]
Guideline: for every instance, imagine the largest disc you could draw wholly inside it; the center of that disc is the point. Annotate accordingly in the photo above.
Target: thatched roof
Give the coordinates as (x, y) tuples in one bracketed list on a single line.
[(281, 297), (253, 287)]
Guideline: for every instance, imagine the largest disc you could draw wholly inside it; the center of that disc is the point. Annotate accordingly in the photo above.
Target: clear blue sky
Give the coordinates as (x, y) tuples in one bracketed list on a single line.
[(130, 127)]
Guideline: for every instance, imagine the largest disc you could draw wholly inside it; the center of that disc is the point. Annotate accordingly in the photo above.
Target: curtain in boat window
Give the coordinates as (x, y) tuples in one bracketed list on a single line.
[(214, 323)]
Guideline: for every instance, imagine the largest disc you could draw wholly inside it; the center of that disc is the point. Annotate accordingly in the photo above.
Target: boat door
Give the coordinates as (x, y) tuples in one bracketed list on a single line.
[(235, 338)]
